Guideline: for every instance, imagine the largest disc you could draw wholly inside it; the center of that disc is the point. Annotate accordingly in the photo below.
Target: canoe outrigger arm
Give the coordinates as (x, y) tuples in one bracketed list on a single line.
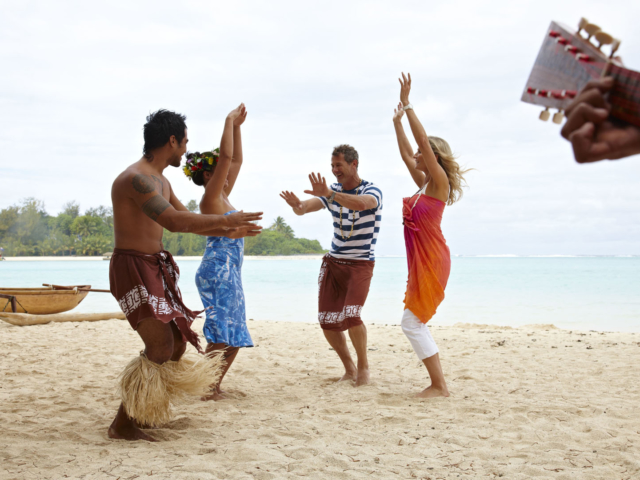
[(81, 288), (12, 300)]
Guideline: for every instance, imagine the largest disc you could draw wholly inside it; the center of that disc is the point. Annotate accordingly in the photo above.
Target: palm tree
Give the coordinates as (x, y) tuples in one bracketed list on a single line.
[(288, 231), (278, 225), (84, 226)]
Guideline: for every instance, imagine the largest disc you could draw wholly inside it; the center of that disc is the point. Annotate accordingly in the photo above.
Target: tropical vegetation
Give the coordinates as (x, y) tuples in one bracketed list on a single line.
[(26, 229), (279, 239)]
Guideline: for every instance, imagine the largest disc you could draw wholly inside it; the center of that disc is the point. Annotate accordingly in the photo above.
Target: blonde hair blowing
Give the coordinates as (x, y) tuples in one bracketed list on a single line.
[(447, 161)]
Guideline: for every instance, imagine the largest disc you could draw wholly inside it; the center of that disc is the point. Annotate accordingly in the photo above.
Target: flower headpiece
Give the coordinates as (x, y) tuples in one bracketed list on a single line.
[(197, 162)]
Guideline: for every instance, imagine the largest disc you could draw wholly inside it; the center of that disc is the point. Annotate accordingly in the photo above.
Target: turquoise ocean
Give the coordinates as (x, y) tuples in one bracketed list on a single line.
[(578, 293)]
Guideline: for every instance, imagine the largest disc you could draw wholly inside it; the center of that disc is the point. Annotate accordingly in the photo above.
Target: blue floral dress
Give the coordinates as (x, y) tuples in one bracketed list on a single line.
[(219, 282)]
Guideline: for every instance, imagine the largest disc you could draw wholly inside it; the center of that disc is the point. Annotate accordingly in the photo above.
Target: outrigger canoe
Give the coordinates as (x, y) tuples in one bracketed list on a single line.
[(43, 301), (38, 306)]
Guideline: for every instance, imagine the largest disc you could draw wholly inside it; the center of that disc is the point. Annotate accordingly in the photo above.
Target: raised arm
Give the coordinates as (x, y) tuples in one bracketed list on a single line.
[(143, 191), (437, 173), (406, 152), (300, 208), (236, 161), (215, 186)]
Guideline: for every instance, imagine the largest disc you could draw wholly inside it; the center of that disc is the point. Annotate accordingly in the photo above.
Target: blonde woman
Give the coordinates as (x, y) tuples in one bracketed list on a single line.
[(440, 179)]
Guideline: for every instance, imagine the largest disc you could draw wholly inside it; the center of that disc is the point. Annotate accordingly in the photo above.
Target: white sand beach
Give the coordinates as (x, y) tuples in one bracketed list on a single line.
[(532, 402)]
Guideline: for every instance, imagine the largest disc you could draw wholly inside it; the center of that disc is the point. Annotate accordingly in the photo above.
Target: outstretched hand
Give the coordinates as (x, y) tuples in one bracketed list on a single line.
[(398, 113), (319, 186), (593, 134), (243, 220), (242, 232), (291, 199), (405, 88)]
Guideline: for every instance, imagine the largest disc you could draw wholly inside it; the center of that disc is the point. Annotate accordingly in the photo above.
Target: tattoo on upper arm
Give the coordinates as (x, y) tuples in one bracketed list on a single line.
[(143, 184), (154, 207)]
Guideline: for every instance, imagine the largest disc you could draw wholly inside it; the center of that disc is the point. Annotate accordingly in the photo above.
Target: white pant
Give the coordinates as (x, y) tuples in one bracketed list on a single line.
[(419, 335)]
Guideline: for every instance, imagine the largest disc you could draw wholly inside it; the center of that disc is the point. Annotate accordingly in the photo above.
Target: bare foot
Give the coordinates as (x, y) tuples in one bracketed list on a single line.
[(432, 392), (143, 426), (130, 432), (363, 377), (215, 396), (125, 428), (349, 376)]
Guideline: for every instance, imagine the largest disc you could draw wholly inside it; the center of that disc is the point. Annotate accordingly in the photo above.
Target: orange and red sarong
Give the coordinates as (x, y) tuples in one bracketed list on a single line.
[(428, 255), (343, 288)]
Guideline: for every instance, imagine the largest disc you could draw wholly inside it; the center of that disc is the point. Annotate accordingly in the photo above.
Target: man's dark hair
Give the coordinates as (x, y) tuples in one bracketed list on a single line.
[(348, 152), (159, 128)]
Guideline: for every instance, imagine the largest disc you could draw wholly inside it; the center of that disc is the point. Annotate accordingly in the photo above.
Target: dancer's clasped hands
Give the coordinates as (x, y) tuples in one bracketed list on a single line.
[(239, 120), (238, 114)]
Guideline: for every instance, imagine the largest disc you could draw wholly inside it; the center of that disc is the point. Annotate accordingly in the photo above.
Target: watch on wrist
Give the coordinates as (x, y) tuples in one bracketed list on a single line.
[(408, 106), (331, 197)]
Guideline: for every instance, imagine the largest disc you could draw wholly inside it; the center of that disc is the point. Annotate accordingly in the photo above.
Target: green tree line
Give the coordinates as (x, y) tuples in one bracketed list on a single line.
[(26, 229)]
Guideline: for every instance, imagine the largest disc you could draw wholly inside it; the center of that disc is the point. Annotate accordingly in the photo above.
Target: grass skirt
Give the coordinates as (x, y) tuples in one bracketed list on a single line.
[(149, 390)]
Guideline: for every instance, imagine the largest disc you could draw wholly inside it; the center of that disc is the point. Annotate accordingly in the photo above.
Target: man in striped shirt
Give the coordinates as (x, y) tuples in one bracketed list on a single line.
[(355, 206)]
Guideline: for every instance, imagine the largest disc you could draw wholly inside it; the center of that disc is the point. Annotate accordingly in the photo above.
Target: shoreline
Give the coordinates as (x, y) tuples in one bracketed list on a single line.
[(459, 325), (178, 258), (311, 256)]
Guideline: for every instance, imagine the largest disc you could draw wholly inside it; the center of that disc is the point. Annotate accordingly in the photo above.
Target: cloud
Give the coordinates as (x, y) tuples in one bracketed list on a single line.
[(79, 79)]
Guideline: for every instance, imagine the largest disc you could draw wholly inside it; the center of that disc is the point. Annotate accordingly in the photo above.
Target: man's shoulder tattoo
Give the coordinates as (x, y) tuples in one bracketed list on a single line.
[(159, 182), (143, 183), (154, 207)]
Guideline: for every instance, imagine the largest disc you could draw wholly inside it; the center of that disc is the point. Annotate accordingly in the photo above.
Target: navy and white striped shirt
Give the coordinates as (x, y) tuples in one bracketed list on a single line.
[(361, 245)]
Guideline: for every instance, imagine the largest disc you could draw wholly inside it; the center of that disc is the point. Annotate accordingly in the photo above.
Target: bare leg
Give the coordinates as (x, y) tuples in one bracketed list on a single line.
[(179, 345), (338, 340), (358, 337), (438, 387), (230, 354), (160, 347)]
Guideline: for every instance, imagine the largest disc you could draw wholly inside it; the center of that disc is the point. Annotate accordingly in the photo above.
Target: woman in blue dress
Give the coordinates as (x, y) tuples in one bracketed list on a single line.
[(218, 278)]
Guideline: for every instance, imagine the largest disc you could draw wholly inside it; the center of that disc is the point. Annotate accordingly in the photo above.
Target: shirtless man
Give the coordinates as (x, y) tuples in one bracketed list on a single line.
[(143, 276)]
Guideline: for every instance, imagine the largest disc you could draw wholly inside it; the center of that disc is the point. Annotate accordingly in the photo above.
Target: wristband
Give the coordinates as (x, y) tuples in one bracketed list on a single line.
[(407, 107), (332, 196)]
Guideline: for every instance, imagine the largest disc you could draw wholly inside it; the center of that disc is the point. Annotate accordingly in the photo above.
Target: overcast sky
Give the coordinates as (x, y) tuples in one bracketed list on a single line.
[(78, 79)]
